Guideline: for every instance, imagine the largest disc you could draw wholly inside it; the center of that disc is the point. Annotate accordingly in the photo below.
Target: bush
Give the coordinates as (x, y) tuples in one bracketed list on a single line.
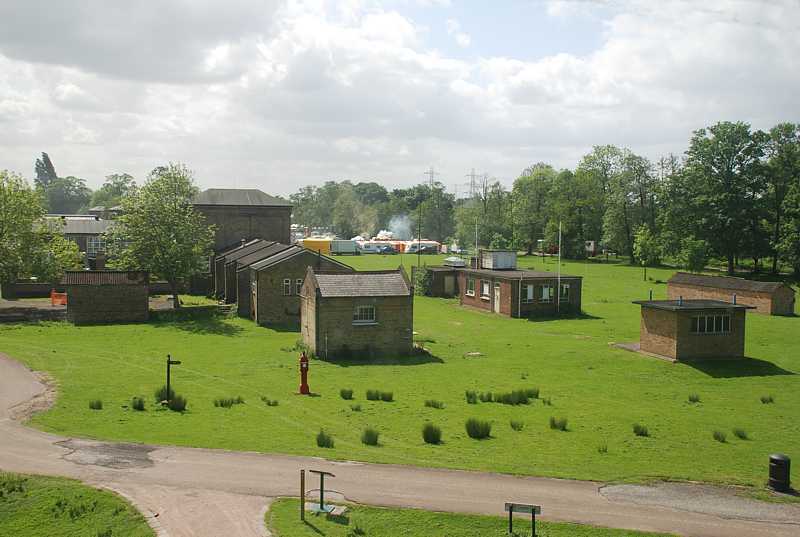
[(516, 397), (373, 395), (96, 404), (161, 394), (355, 408), (767, 399), (370, 437), (472, 397), (137, 403), (228, 402), (478, 429), (741, 434), (433, 403), (177, 403), (694, 398), (387, 397), (346, 393), (517, 425), (431, 434), (640, 430), (558, 424), (602, 449), (324, 440), (486, 397), (720, 437)]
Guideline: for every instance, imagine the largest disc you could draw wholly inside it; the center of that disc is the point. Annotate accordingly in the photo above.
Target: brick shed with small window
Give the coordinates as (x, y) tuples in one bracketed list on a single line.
[(106, 296), (691, 329), (769, 298), (358, 314)]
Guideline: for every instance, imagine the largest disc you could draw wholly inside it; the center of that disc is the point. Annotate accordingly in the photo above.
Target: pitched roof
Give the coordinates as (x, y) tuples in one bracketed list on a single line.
[(238, 196), (254, 257), (105, 277), (357, 284), (242, 249), (691, 304), (290, 252), (83, 226), (724, 282)]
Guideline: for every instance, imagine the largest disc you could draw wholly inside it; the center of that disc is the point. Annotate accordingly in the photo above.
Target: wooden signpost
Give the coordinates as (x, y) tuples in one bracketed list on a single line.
[(512, 508)]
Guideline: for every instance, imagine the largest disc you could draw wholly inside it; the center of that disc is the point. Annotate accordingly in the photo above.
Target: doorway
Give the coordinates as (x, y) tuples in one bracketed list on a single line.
[(449, 285), (496, 304)]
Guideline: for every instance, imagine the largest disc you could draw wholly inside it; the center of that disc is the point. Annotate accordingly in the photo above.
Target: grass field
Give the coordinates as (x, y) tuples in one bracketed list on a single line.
[(601, 391), (284, 521), (33, 506)]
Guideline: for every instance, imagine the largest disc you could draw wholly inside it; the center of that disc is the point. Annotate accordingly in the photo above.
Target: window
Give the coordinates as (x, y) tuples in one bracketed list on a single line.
[(287, 287), (94, 246), (364, 314), (470, 290), (546, 294), (564, 296), (485, 289), (298, 285), (711, 324), (527, 293)]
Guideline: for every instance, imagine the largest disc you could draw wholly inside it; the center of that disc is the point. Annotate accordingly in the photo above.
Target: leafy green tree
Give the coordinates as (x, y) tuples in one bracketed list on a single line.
[(782, 173), (646, 248), (55, 255), (345, 210), (159, 230), (531, 196), (693, 254), (45, 172), (115, 187), (67, 195), (21, 211)]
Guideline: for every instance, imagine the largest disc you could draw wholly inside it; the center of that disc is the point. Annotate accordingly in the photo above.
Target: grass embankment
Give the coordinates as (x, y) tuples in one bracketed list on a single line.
[(284, 521), (33, 506), (600, 390)]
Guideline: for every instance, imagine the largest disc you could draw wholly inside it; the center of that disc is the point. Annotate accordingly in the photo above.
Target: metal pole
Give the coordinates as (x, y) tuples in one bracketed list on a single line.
[(558, 291), (511, 520), (168, 364), (302, 495), (321, 492), (533, 523)]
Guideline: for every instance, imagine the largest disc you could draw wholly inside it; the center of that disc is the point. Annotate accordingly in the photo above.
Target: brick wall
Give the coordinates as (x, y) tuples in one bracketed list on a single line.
[(509, 295), (244, 293), (236, 223), (658, 332), (219, 278), (781, 302), (104, 304), (668, 333)]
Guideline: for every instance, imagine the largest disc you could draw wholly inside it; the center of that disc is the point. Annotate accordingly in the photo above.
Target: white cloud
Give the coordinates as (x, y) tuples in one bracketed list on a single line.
[(454, 29)]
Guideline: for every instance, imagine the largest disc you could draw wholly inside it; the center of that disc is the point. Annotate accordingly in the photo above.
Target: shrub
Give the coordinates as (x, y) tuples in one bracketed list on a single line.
[(346, 393), (137, 403), (355, 408), (486, 397), (269, 402), (558, 424), (532, 393), (431, 434), (741, 434), (472, 397), (517, 425), (640, 430), (694, 398), (162, 395), (767, 399), (96, 404), (228, 402), (324, 440), (373, 395), (433, 403), (478, 429), (720, 437), (516, 397), (177, 403), (387, 397), (602, 449), (370, 437)]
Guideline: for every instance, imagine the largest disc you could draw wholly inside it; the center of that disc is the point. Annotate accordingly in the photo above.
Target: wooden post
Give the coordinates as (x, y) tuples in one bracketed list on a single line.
[(303, 495)]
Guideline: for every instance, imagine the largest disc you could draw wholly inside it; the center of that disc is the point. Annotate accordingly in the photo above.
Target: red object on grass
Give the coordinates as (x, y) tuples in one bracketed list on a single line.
[(304, 389)]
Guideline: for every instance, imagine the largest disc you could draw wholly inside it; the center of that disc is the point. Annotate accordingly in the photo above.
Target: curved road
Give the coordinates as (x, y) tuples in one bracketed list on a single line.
[(201, 492)]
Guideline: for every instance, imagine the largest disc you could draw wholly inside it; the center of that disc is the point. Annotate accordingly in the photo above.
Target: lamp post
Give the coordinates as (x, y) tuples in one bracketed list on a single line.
[(170, 362)]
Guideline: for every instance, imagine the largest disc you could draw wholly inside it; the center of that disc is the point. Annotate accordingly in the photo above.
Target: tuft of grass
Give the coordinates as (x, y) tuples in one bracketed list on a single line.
[(602, 449), (517, 425), (346, 394), (767, 399), (269, 402), (355, 408), (740, 433), (720, 437), (387, 397), (558, 424), (640, 430), (324, 440), (486, 397), (137, 403), (431, 434), (228, 402), (516, 397), (162, 395), (471, 396), (532, 393), (547, 401), (694, 398), (478, 429), (433, 403), (379, 395), (370, 437), (177, 403), (96, 404)]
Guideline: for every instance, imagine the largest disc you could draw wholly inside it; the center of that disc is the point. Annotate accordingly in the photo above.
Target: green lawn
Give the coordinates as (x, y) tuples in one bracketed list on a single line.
[(283, 519), (602, 391), (33, 506)]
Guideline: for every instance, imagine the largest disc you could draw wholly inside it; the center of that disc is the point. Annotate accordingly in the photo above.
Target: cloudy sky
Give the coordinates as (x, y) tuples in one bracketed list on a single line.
[(279, 94)]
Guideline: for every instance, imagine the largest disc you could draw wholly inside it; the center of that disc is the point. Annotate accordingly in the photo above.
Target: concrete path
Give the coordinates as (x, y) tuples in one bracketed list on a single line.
[(203, 492)]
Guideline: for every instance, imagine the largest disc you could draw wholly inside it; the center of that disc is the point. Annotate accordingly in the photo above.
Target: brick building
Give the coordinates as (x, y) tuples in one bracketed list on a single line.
[(217, 265), (769, 298), (87, 231), (689, 329), (362, 314), (244, 214), (275, 284), (241, 266), (494, 284), (106, 296)]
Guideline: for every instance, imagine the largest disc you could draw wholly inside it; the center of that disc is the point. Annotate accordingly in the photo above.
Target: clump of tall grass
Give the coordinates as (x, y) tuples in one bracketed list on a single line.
[(767, 399), (602, 449), (694, 398), (324, 440), (431, 433), (379, 395), (740, 433), (640, 430), (346, 394), (370, 437), (228, 402), (517, 425), (558, 424), (720, 437), (355, 408), (96, 404), (137, 403), (471, 396), (478, 429), (162, 395), (177, 403), (433, 403), (486, 397)]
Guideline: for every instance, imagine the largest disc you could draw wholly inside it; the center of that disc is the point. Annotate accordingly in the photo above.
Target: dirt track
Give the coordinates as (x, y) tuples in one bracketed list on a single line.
[(200, 492)]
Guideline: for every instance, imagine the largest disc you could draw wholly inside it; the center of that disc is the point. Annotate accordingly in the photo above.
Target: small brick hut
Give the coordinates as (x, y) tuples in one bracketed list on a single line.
[(242, 268), (769, 298), (361, 314), (106, 296), (218, 262), (691, 329), (275, 284)]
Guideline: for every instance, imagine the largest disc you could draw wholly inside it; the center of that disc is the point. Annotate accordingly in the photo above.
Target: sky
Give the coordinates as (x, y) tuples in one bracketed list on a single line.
[(276, 95)]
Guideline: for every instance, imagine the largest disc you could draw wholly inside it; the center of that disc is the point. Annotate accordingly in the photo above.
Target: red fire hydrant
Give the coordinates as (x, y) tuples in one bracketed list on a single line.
[(304, 374)]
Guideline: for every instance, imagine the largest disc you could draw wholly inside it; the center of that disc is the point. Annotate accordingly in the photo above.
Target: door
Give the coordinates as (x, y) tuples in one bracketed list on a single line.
[(449, 285), (496, 304), (253, 301)]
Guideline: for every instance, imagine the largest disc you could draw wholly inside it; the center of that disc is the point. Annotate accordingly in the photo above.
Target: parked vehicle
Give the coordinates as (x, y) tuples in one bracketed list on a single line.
[(369, 248), (344, 247), (386, 249)]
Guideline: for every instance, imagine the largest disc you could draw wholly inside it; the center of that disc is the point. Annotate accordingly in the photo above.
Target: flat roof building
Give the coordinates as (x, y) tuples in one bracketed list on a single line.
[(769, 298), (106, 296)]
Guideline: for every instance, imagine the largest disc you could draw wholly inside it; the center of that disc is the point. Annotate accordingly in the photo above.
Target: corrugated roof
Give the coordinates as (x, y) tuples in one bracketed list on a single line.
[(356, 284), (724, 282), (105, 277), (690, 304), (260, 255), (517, 274), (238, 196), (247, 250), (278, 257)]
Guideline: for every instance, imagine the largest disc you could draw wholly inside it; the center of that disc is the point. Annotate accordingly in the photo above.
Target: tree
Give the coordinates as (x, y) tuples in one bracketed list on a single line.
[(693, 255), (67, 195), (116, 187), (531, 194), (159, 230), (21, 212), (56, 254), (646, 248), (45, 172), (782, 171)]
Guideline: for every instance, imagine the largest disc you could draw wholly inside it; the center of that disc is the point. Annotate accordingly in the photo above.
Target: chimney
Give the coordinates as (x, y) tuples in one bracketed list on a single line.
[(243, 241), (734, 298)]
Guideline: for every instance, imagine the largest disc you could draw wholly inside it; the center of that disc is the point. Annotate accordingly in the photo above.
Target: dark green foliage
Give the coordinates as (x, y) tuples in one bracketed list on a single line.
[(472, 397), (387, 397), (431, 433), (378, 395), (558, 424), (478, 429), (370, 437), (516, 397), (269, 402), (137, 403), (177, 403), (433, 403), (422, 281), (486, 397), (767, 399), (547, 402), (96, 404), (694, 398), (161, 394), (720, 437), (517, 425), (640, 430), (324, 440), (741, 434), (346, 393), (602, 449), (228, 402)]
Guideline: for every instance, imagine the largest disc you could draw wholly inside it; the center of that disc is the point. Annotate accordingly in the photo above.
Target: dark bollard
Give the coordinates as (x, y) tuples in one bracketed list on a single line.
[(779, 467)]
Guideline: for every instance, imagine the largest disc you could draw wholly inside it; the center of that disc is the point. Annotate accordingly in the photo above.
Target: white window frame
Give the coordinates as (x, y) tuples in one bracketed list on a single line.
[(528, 293), (298, 286), (562, 296), (486, 289), (700, 324), (364, 314), (470, 290), (546, 297), (95, 245), (287, 287)]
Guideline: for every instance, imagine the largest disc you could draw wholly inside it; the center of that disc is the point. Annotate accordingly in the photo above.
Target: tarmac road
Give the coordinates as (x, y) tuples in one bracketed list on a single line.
[(188, 492)]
